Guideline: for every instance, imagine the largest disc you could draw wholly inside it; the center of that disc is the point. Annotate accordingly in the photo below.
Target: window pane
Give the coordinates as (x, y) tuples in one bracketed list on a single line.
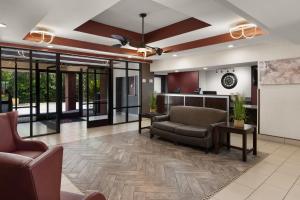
[(120, 88), (133, 92), (133, 114), (133, 65), (119, 115)]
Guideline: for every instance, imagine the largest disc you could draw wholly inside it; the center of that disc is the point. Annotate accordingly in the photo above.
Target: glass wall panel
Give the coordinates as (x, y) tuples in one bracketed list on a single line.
[(15, 85), (133, 90), (133, 65), (133, 113), (44, 119), (119, 115)]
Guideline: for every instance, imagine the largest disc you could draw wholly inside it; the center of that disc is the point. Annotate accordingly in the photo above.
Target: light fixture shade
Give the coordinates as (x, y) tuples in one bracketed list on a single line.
[(43, 36), (247, 31), (144, 50)]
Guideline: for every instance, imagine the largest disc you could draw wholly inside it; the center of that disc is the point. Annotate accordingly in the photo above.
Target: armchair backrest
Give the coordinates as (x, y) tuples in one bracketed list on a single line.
[(7, 132), (23, 178)]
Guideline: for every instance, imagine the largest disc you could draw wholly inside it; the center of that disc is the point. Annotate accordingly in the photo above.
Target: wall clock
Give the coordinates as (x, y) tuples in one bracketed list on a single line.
[(229, 80)]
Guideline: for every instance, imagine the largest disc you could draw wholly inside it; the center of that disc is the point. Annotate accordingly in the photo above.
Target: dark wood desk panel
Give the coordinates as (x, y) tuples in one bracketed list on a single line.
[(194, 101), (218, 103)]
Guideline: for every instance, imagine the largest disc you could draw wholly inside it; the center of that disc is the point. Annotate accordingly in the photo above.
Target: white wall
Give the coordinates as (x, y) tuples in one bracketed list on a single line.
[(280, 108), (280, 104), (157, 84), (231, 56), (212, 81)]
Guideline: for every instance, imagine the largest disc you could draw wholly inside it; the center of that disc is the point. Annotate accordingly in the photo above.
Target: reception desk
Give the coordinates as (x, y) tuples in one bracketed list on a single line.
[(166, 101)]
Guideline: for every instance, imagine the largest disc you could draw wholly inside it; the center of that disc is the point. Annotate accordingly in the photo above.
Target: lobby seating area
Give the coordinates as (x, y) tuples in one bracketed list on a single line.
[(188, 125), (29, 169)]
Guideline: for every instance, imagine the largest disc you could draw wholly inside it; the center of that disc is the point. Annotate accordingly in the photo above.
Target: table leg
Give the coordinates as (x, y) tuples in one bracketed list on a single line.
[(228, 140), (244, 146), (254, 142), (216, 135), (140, 123)]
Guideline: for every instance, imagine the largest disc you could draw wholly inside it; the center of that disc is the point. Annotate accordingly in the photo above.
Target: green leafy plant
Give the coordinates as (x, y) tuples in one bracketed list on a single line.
[(153, 102), (239, 111)]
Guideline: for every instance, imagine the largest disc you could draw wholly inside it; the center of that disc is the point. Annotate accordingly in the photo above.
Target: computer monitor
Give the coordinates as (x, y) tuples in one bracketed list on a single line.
[(210, 92)]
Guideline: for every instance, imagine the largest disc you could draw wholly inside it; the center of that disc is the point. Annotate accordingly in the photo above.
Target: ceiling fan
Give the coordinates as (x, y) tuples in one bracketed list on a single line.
[(142, 47)]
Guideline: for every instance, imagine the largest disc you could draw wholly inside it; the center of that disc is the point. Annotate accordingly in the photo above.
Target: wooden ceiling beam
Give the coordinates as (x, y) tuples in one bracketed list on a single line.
[(184, 26), (207, 42), (75, 53), (99, 29)]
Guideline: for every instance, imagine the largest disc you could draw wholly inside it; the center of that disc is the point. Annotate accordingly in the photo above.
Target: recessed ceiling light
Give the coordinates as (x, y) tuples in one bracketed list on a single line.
[(230, 46), (174, 55), (50, 46), (176, 71), (205, 68), (2, 25)]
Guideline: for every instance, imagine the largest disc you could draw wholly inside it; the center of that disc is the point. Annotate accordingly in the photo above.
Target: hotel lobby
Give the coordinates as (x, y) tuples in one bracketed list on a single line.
[(149, 100)]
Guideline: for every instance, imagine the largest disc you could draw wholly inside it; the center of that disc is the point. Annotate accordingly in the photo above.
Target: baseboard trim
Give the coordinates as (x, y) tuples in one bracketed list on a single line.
[(277, 139)]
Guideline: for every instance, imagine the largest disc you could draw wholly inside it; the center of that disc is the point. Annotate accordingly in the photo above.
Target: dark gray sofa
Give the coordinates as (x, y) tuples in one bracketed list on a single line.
[(188, 125)]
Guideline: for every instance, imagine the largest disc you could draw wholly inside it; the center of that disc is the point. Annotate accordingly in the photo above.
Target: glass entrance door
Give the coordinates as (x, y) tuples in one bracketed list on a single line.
[(97, 84)]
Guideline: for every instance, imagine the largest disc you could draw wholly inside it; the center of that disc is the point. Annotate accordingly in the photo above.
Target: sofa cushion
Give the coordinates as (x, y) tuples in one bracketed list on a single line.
[(196, 116), (166, 125), (191, 131), (30, 154), (7, 143)]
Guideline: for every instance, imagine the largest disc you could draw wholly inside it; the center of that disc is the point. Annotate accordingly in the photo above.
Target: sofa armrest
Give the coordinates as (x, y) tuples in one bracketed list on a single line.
[(31, 145), (161, 118), (211, 127), (15, 176), (46, 172), (10, 161), (95, 196)]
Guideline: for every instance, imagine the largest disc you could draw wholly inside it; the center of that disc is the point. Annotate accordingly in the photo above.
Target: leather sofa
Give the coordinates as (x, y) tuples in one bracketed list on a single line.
[(11, 142), (188, 125)]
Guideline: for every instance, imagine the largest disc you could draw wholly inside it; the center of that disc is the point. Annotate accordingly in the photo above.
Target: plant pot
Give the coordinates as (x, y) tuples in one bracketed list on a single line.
[(239, 123), (152, 110)]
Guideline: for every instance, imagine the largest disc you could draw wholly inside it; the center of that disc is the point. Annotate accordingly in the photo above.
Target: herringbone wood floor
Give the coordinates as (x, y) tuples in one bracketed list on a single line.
[(129, 166)]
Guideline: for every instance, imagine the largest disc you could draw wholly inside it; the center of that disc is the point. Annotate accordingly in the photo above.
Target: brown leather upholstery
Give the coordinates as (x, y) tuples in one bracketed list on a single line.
[(30, 154), (191, 131), (7, 142), (189, 125), (24, 178), (166, 125), (11, 142), (196, 116)]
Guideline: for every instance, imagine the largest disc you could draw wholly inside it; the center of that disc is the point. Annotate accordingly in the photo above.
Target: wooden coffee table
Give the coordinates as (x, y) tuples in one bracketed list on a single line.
[(148, 115), (228, 128)]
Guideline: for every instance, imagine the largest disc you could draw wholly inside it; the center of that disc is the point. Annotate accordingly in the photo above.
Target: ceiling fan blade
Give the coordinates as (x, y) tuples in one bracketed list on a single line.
[(136, 44), (123, 40), (117, 45)]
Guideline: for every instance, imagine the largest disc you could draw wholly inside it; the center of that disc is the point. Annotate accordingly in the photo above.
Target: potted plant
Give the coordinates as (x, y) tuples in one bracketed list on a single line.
[(239, 111), (153, 103)]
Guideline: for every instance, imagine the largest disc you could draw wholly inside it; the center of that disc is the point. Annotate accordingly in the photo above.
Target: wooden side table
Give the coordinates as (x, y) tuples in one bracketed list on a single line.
[(228, 128), (148, 115)]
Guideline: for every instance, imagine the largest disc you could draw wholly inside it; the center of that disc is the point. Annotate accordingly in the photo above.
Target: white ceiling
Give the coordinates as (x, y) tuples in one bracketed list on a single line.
[(281, 19), (125, 14)]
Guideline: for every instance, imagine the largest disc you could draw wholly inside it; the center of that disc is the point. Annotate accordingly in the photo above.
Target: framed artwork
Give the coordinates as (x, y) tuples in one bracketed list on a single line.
[(285, 71)]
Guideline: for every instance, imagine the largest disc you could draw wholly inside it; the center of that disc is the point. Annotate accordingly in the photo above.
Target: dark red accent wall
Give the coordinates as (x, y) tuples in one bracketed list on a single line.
[(187, 81)]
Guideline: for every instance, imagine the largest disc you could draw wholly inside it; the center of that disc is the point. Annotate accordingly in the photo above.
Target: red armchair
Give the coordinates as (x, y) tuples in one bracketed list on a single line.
[(24, 178), (11, 142)]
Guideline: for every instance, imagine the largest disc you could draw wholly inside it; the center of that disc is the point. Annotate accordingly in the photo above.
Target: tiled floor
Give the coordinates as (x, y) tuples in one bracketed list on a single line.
[(276, 177)]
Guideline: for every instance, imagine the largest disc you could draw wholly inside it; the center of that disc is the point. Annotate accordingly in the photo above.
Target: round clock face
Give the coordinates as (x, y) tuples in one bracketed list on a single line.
[(229, 80)]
